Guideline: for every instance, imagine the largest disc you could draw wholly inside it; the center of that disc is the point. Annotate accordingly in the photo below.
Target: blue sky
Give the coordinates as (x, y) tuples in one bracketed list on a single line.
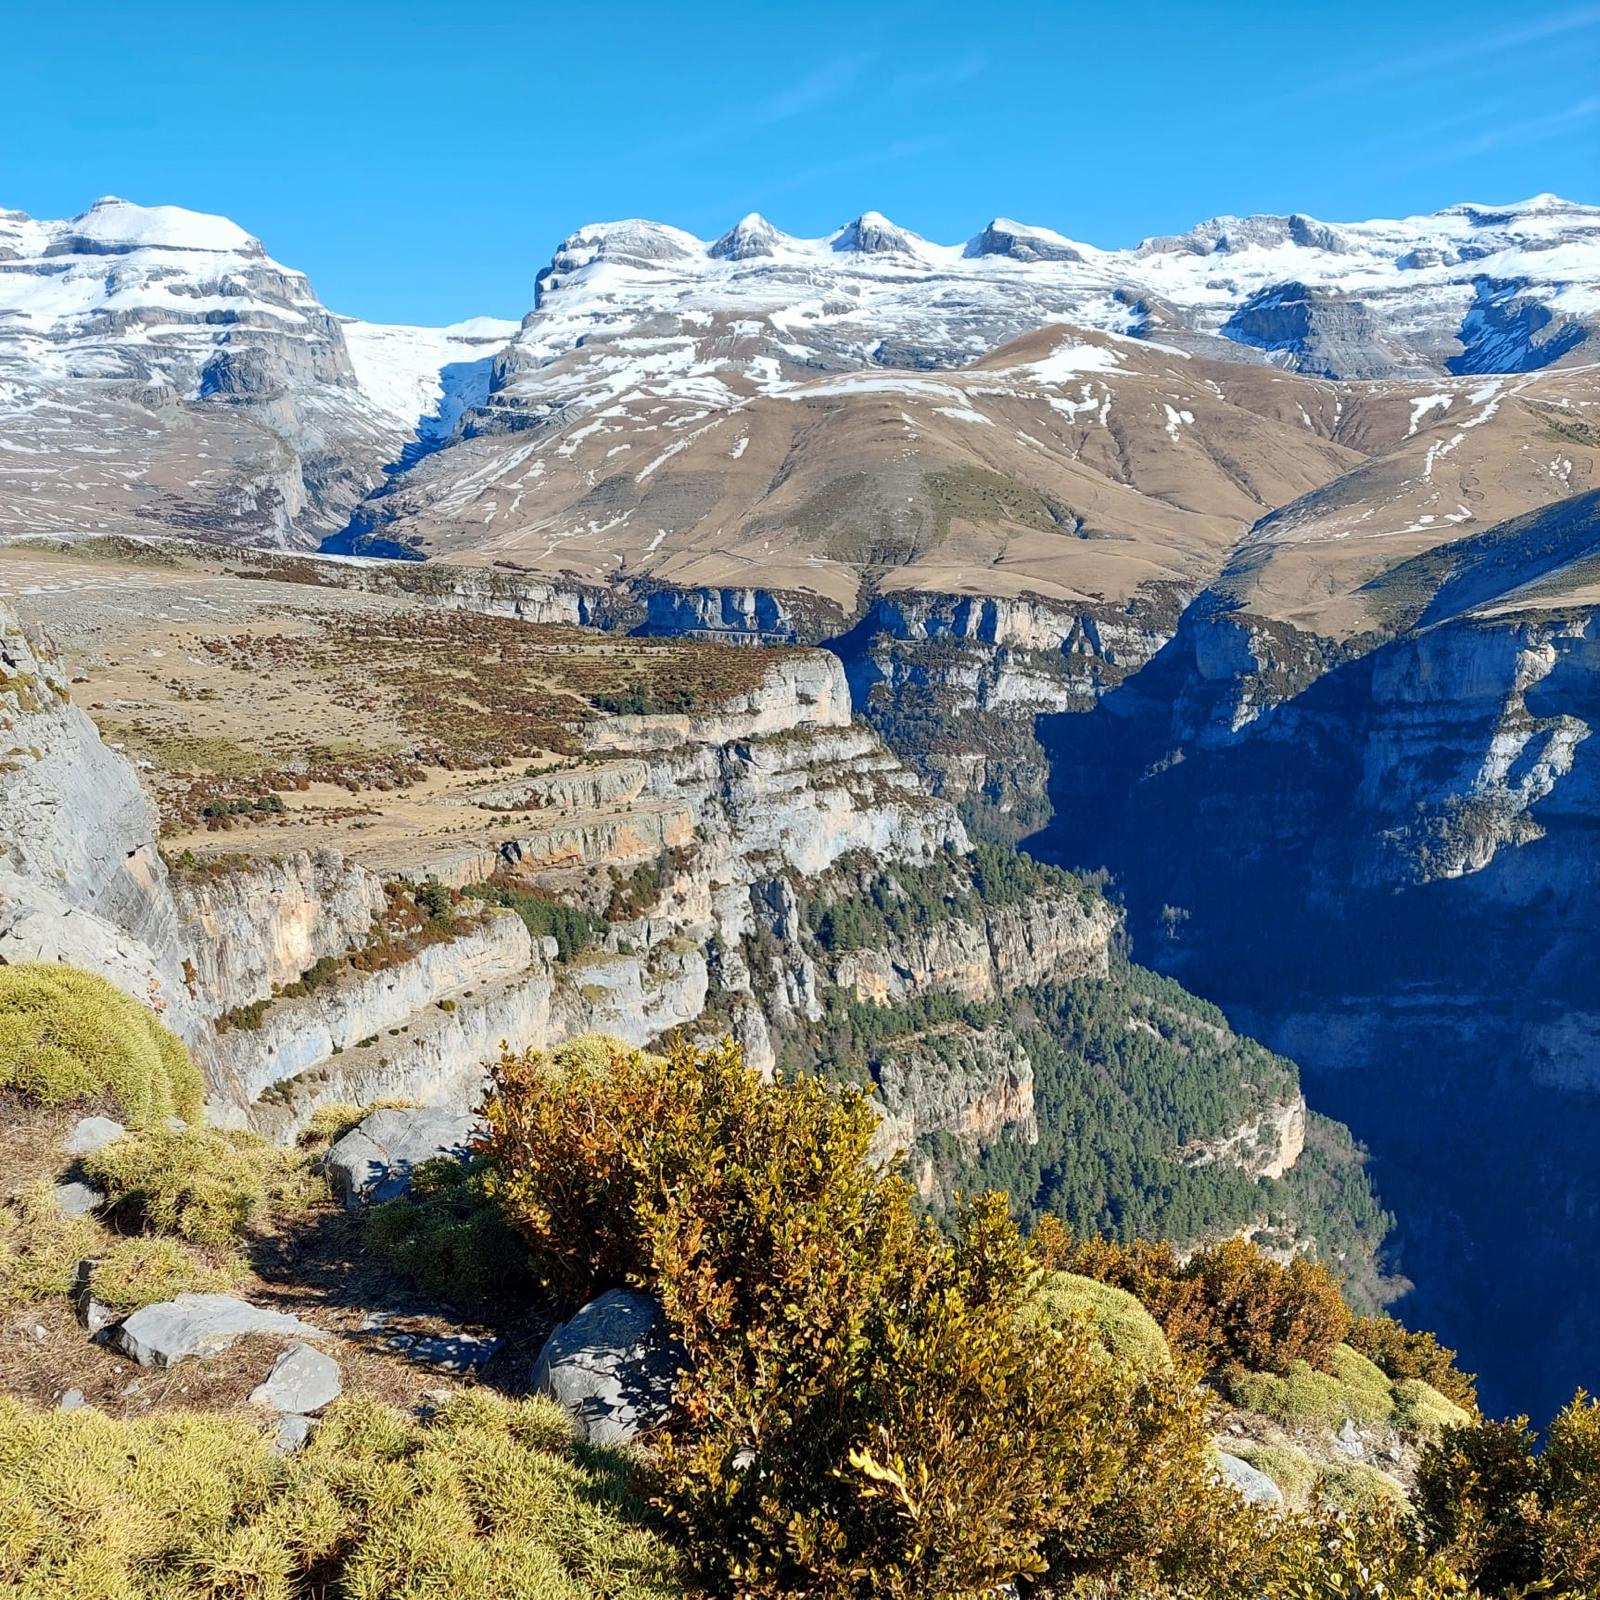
[(421, 161)]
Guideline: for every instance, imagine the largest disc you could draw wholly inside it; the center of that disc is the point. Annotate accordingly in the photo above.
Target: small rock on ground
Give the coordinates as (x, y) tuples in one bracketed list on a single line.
[(91, 1133), (199, 1325), (292, 1432), (302, 1380), (72, 1400), (78, 1199)]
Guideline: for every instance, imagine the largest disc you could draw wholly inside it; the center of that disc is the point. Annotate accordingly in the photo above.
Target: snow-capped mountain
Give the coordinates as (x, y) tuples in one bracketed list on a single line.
[(812, 412), (157, 367)]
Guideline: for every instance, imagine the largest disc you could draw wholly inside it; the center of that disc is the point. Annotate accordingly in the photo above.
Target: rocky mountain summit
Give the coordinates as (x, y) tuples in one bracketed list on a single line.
[(159, 369)]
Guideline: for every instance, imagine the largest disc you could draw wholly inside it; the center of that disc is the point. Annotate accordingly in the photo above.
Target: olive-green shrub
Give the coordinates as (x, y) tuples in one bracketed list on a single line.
[(69, 1037)]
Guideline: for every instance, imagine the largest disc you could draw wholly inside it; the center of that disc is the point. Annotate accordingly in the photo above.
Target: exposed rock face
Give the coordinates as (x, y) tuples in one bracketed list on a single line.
[(969, 1084), (803, 688), (1414, 915), (1265, 1147), (263, 925), (81, 880), (1004, 949), (955, 684), (1330, 334), (381, 1034)]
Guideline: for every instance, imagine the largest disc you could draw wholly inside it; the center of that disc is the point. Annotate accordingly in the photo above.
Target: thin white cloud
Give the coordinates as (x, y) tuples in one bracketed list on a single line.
[(862, 161), (810, 93), (942, 75), (1507, 135), (1493, 43)]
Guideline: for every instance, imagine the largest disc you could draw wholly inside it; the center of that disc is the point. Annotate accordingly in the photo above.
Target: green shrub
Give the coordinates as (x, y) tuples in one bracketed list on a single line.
[(866, 1407), (70, 1037), (1119, 1321), (129, 1273), (573, 929), (448, 1236), (205, 1185), (489, 1500)]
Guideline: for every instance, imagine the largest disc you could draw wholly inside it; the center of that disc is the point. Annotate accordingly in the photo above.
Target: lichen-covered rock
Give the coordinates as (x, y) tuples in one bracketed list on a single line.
[(91, 1133), (1251, 1482), (611, 1367)]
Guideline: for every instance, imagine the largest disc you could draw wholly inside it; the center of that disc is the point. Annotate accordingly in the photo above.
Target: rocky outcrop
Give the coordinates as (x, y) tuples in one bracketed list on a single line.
[(970, 1084), (1266, 1146), (261, 924), (1058, 936), (385, 1033), (802, 688), (81, 878), (955, 684)]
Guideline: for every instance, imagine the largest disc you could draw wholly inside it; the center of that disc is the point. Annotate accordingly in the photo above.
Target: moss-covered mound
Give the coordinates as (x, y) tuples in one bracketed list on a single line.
[(490, 1499), (1121, 1323), (1354, 1390), (71, 1037)]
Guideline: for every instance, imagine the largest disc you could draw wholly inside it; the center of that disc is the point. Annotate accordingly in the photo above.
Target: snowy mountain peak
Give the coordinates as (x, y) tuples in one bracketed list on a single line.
[(113, 225), (750, 236), (873, 234), (1003, 237)]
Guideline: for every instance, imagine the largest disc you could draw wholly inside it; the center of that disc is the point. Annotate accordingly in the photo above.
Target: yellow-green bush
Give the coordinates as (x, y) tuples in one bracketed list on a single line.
[(1404, 1353), (129, 1273), (39, 1248), (69, 1037), (206, 1185), (1304, 1397), (1420, 1409), (488, 1501), (1120, 1322), (1354, 1486)]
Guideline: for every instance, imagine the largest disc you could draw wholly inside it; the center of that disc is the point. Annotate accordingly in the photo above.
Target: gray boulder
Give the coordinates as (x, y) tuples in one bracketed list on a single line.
[(302, 1380), (1251, 1482), (200, 1325), (374, 1161), (78, 1199), (611, 1367), (91, 1133)]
